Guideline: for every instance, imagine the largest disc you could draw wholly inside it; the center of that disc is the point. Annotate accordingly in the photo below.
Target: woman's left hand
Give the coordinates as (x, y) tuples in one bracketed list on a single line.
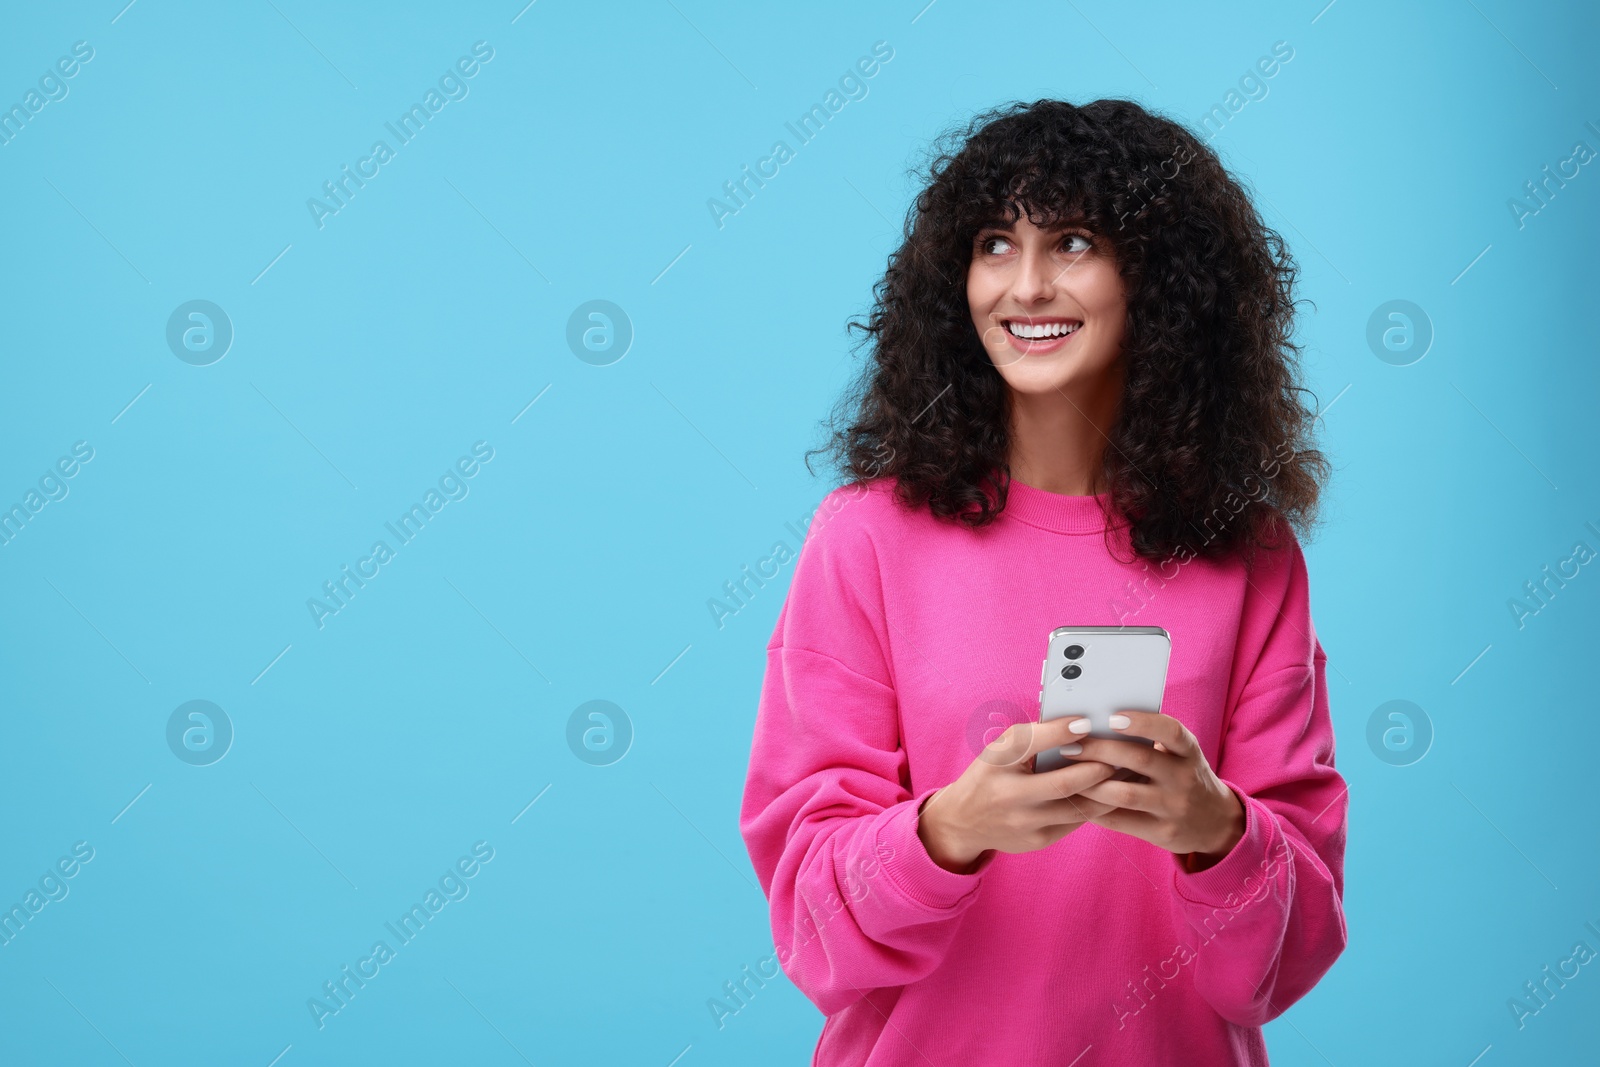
[(1183, 807)]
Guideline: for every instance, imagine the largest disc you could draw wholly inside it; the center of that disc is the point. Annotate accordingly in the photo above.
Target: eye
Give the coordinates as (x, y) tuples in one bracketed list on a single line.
[(986, 242)]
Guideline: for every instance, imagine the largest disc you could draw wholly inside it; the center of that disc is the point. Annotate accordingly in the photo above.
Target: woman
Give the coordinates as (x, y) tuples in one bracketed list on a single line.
[(1082, 409)]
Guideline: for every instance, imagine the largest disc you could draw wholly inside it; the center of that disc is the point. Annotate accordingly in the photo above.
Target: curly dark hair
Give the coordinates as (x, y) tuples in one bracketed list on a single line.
[(1211, 401)]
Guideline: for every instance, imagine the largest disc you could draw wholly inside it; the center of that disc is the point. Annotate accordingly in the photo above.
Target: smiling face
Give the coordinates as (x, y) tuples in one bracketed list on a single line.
[(1050, 307)]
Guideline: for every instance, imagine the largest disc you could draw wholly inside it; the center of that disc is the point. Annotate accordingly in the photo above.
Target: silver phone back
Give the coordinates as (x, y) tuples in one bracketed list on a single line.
[(1122, 668)]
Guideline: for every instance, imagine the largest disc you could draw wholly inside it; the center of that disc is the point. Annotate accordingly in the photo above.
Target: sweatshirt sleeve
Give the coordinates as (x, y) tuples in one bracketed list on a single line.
[(1269, 914), (828, 817)]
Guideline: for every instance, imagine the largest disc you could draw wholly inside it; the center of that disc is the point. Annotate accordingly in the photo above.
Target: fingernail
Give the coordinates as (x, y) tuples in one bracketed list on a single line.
[(1072, 749), (1120, 722), (1081, 726)]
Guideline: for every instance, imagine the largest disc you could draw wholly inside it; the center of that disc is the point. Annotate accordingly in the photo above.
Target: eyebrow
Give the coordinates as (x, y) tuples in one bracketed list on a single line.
[(1078, 222)]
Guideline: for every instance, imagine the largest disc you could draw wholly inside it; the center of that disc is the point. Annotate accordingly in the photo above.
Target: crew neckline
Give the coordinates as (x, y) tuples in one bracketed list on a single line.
[(1060, 512)]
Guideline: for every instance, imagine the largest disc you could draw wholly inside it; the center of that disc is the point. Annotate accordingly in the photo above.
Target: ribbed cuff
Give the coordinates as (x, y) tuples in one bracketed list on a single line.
[(1253, 860), (906, 861)]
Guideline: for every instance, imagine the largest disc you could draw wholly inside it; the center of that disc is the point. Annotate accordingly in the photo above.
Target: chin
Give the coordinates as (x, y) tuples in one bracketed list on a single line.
[(1038, 381)]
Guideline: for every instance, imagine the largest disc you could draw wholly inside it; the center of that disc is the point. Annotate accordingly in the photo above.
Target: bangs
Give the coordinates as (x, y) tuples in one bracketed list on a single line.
[(1052, 196)]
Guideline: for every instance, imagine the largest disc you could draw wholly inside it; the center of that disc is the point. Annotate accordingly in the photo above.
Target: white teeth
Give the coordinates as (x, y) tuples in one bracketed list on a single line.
[(1050, 329)]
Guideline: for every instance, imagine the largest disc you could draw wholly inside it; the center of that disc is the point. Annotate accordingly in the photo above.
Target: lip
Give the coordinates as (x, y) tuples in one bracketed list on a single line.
[(1043, 346)]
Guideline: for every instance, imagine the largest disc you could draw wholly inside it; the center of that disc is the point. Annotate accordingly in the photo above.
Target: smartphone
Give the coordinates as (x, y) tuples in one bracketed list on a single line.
[(1097, 671)]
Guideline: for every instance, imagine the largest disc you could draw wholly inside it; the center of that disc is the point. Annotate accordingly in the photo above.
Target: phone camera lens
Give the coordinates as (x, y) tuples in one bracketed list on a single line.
[(1074, 651), (1071, 670)]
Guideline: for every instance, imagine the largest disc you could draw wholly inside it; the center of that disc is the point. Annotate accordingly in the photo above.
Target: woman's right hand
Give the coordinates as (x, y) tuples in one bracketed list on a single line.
[(1000, 803)]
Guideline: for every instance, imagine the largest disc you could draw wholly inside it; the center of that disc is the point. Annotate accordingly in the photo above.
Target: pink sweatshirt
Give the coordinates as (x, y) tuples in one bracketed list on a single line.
[(905, 643)]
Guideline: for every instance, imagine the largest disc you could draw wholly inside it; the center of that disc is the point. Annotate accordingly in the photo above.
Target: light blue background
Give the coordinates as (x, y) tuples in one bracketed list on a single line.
[(432, 309)]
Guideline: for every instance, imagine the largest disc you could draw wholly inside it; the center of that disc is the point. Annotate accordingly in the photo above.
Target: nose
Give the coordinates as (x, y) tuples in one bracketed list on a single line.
[(1036, 277)]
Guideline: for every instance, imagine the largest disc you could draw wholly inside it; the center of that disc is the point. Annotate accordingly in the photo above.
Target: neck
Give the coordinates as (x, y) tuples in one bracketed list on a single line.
[(1058, 439)]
